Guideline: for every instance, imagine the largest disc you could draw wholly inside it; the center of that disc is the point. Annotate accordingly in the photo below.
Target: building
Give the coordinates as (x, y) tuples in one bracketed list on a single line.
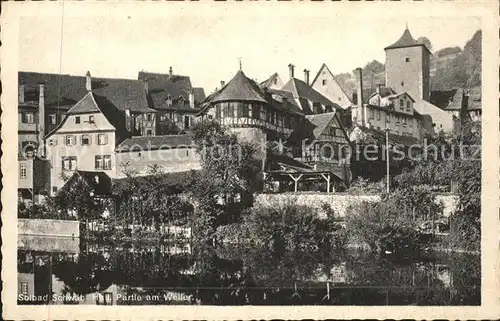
[(175, 100), (159, 154), (262, 115), (384, 109), (273, 82), (326, 84), (407, 69), (34, 178)]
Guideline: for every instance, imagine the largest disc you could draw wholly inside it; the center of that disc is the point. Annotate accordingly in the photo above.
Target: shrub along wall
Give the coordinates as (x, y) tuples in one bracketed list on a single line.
[(340, 202)]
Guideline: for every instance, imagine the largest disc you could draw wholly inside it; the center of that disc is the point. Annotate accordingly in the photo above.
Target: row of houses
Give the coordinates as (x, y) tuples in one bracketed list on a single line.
[(122, 126)]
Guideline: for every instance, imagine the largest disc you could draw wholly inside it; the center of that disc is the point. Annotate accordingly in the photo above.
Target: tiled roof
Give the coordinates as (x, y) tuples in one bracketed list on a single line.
[(324, 66), (154, 142), (305, 93), (320, 121), (69, 89), (290, 102), (179, 179), (269, 81), (160, 86), (379, 136), (240, 88), (86, 105), (474, 100), (406, 40), (369, 92)]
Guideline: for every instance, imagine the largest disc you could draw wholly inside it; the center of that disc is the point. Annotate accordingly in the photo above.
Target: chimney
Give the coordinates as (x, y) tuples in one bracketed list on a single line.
[(88, 81), (41, 120), (222, 83), (359, 94), (306, 76), (191, 99), (290, 69), (21, 94), (170, 71), (146, 86), (378, 88)]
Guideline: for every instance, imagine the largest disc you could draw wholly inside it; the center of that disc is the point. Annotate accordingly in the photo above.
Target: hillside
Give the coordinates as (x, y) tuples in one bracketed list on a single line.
[(451, 67)]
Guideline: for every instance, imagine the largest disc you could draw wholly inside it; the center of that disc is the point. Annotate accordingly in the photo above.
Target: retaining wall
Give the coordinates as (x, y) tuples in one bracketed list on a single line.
[(53, 228), (340, 202)]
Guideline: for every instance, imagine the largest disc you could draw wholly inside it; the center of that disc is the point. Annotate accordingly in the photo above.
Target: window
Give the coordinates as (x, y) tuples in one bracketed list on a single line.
[(210, 117), (22, 171), (53, 142), (52, 119), (397, 119), (401, 104), (255, 111), (103, 162), (102, 139), (408, 106), (411, 122), (372, 114), (91, 119), (402, 83), (24, 287), (149, 117), (407, 59), (378, 114), (275, 81), (388, 117), (28, 118), (243, 111), (77, 119), (217, 111), (70, 140), (323, 82), (69, 163), (149, 132), (54, 189), (187, 122), (85, 140)]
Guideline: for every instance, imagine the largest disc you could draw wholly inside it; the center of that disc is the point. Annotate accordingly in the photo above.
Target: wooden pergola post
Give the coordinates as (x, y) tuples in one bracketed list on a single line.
[(295, 180), (327, 179)]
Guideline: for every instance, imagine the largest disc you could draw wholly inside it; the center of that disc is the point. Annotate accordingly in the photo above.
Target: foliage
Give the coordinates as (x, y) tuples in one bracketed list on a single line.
[(426, 42), (464, 70), (229, 176), (364, 186), (290, 226), (394, 223), (448, 51)]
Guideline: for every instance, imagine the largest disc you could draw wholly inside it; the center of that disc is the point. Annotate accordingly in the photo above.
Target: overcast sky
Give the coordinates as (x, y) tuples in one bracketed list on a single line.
[(208, 47)]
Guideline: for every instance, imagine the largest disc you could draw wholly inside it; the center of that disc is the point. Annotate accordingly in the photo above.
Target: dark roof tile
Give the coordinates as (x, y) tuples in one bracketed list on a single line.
[(154, 142)]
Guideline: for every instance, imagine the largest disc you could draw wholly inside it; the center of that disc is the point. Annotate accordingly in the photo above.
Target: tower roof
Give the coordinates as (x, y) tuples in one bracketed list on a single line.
[(240, 88), (406, 40)]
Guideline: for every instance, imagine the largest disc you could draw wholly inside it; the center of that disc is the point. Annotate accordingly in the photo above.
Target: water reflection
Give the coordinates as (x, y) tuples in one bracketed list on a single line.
[(130, 274)]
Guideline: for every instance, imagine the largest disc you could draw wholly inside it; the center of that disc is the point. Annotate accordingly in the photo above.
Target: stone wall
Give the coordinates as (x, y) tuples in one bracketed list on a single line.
[(55, 228), (340, 202)]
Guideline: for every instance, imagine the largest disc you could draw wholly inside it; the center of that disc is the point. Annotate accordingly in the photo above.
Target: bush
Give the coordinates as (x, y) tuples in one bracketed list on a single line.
[(383, 226), (290, 226)]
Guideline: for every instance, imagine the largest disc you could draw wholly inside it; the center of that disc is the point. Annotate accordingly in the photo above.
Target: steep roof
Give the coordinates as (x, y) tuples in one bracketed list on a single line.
[(178, 87), (68, 89), (86, 105), (154, 142), (370, 92), (99, 181), (324, 66), (320, 122), (305, 92), (240, 88), (269, 81), (406, 40)]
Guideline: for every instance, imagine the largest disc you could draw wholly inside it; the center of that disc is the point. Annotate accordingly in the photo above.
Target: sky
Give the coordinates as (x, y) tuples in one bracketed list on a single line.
[(208, 48)]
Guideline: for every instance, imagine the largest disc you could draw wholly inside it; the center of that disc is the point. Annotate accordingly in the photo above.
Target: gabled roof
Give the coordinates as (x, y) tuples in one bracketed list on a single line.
[(154, 142), (396, 95), (240, 88), (305, 92), (406, 40), (324, 66), (320, 122), (68, 89), (86, 105), (160, 86), (370, 92), (269, 81)]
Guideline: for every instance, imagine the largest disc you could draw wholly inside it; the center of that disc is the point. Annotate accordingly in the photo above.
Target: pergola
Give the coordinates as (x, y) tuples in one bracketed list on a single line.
[(295, 174)]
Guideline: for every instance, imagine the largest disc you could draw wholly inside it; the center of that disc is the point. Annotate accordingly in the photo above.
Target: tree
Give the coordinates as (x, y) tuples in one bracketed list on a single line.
[(425, 41), (229, 175)]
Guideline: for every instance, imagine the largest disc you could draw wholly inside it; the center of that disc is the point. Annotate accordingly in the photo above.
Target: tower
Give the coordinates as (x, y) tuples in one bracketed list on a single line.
[(407, 67)]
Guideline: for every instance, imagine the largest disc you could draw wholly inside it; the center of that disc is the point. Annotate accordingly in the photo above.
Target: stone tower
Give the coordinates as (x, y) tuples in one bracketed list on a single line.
[(407, 67)]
